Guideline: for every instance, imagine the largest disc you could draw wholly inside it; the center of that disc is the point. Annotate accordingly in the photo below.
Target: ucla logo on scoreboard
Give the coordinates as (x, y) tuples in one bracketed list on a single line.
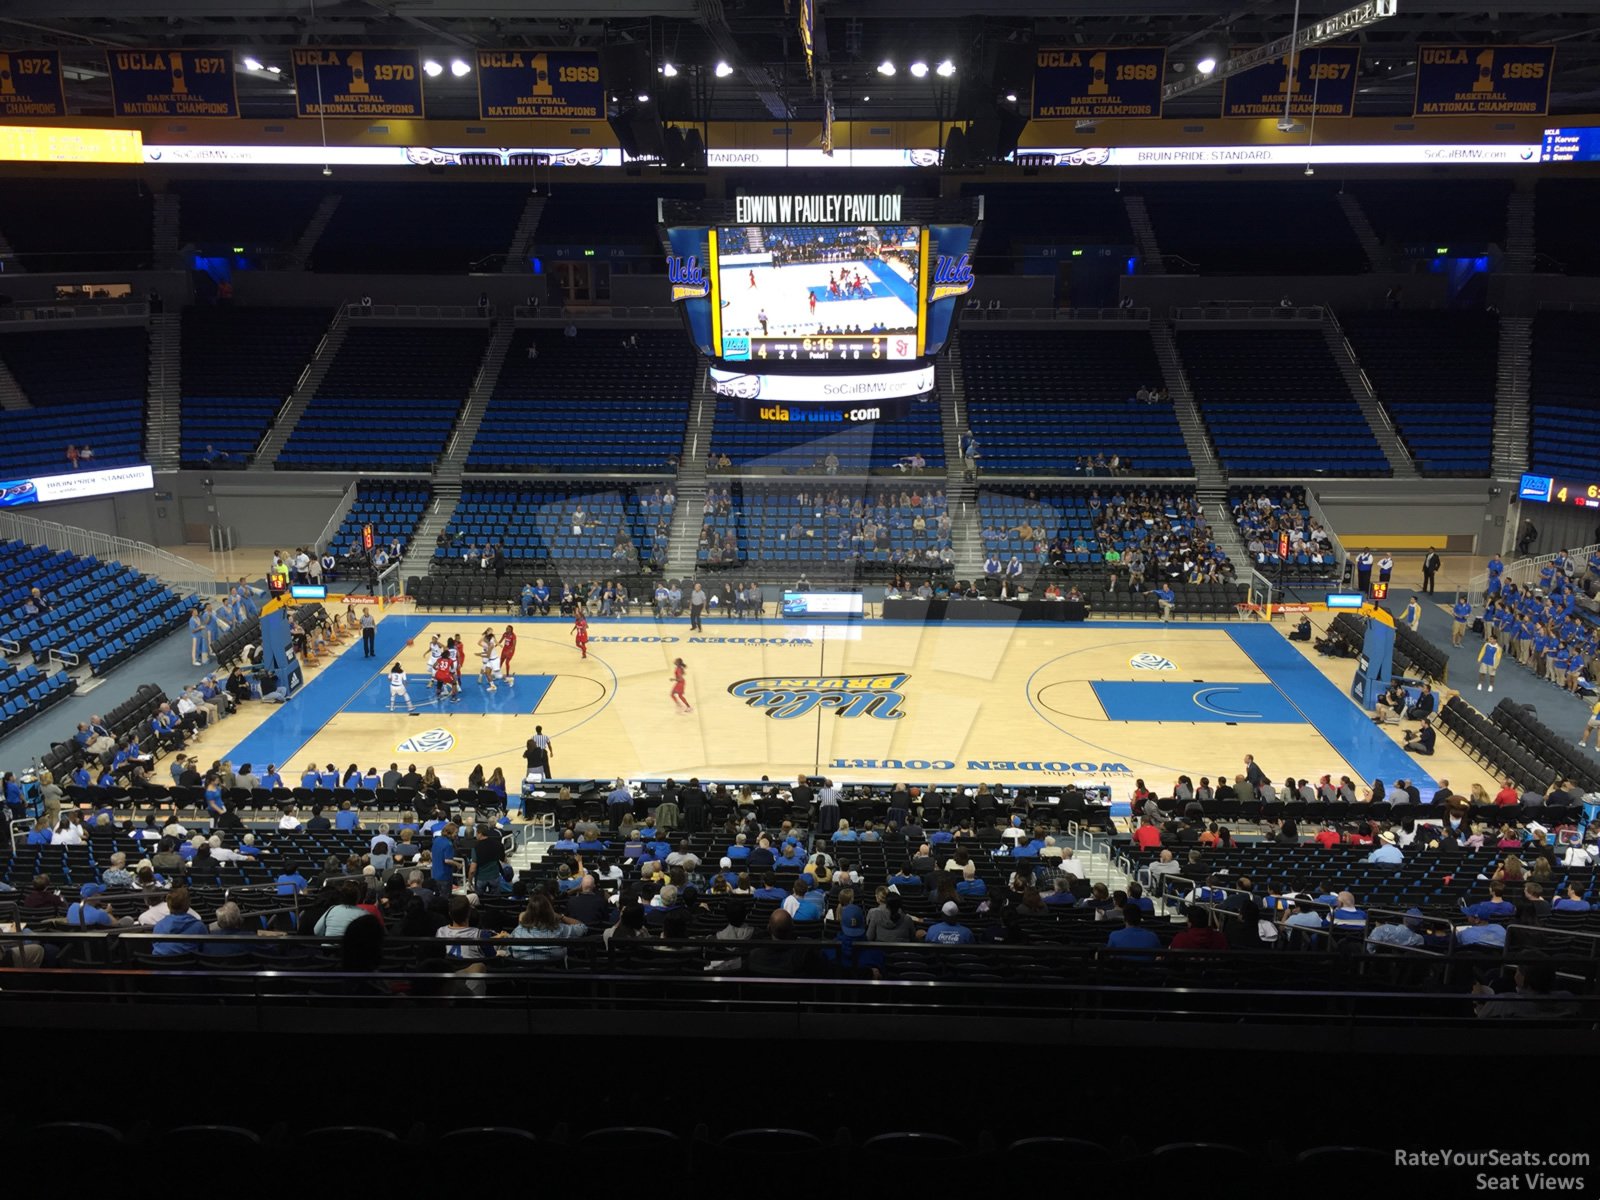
[(687, 277), (784, 698), (952, 276), (429, 741)]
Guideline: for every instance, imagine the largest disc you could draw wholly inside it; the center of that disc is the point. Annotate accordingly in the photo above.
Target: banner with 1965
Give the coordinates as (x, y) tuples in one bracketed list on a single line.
[(1484, 81)]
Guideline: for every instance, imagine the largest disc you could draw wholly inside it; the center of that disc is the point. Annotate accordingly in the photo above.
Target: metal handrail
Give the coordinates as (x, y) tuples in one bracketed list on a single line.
[(181, 573)]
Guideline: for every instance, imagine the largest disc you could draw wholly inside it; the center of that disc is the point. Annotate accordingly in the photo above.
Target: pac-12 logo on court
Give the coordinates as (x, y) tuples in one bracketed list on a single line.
[(1151, 662), (429, 741), (785, 697)]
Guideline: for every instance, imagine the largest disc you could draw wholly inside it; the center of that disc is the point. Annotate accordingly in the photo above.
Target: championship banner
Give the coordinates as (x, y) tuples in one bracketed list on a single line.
[(560, 84), (358, 83), (1085, 84), (172, 83), (30, 84), (1324, 85), (1484, 81)]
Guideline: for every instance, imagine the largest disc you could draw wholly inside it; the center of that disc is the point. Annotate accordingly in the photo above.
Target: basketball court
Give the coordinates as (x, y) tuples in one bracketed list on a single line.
[(1104, 702)]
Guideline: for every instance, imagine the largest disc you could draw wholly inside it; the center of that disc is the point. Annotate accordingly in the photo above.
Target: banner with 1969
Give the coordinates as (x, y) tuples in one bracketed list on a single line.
[(172, 83), (358, 83), (1484, 81), (30, 84), (1081, 84), (529, 84)]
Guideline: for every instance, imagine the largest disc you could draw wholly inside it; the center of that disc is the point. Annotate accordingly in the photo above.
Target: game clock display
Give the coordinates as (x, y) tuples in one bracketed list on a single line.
[(1549, 489), (823, 348)]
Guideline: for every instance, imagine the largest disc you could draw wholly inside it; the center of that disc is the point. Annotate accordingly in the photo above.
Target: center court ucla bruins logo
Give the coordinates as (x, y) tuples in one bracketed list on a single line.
[(429, 741), (784, 697)]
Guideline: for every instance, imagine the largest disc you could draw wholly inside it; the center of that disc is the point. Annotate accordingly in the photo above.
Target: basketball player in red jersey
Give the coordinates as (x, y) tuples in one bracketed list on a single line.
[(678, 699), (508, 648), (752, 279), (812, 300), (580, 632)]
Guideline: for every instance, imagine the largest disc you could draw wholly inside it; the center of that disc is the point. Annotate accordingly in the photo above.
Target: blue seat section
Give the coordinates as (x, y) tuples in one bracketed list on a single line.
[(27, 692), (1565, 434), (439, 228), (389, 400), (587, 404), (1041, 402), (394, 508), (536, 521), (1275, 404), (239, 365), (100, 612), (77, 224), (1311, 558), (1442, 402), (1429, 214), (867, 446), (219, 214), (1564, 217), (1255, 228), (827, 524), (1073, 526), (1019, 215), (87, 387)]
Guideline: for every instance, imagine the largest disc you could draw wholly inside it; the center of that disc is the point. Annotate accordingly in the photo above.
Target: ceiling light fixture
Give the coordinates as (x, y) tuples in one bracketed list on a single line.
[(919, 69), (1206, 65), (945, 69), (460, 67), (723, 70), (669, 70), (886, 67), (432, 69), (252, 64), (644, 97)]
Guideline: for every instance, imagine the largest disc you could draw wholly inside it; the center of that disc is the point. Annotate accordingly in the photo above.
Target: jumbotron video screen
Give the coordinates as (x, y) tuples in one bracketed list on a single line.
[(819, 292)]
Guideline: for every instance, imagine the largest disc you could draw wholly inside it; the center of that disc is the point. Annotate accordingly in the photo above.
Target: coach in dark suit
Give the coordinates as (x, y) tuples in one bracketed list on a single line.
[(1430, 569), (692, 803), (1253, 773)]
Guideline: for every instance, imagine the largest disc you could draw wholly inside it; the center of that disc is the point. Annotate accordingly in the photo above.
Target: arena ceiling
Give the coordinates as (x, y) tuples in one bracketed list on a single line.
[(759, 40)]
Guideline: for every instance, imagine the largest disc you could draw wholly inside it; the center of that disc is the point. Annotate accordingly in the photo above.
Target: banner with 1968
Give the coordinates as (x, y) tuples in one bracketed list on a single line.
[(1082, 84)]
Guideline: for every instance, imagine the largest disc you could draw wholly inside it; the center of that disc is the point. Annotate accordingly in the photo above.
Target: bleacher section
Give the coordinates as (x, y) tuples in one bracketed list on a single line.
[(1039, 402), (1276, 404), (772, 526), (1564, 224), (100, 613), (389, 400), (87, 386), (394, 508), (1255, 229), (77, 225), (536, 522), (1017, 216), (1565, 417), (1463, 215), (441, 228), (1311, 556), (216, 215), (1441, 401), (587, 403), (867, 446), (239, 364)]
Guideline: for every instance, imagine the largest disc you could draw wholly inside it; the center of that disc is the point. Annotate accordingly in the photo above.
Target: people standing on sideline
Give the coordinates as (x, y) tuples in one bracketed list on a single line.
[(697, 607), (537, 753), (679, 701), (1385, 567), (369, 635), (1364, 570), (196, 638), (1462, 613), (1488, 664), (580, 632), (397, 688), (1593, 727), (1413, 614), (508, 649), (1430, 570)]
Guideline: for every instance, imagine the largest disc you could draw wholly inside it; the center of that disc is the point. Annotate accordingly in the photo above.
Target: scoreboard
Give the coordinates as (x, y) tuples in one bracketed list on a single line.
[(863, 348), (1549, 489)]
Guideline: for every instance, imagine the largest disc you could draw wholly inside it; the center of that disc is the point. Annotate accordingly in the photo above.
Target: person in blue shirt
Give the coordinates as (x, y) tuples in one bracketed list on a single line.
[(444, 859), (329, 777), (271, 779), (347, 819), (310, 777), (89, 910), (40, 834), (1165, 600), (1133, 935), (1387, 851), (216, 807), (769, 890), (1488, 664), (179, 920), (1496, 907), (197, 638), (949, 932), (1572, 902), (970, 884), (527, 599), (1478, 932), (1462, 613)]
